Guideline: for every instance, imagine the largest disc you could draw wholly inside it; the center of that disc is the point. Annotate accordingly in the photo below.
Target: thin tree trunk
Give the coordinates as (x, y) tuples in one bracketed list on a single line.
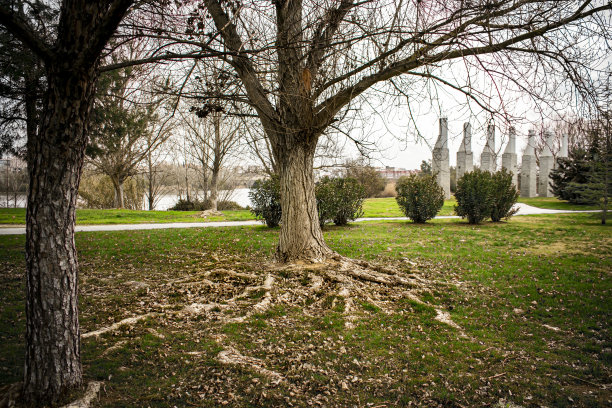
[(151, 196), (119, 196), (214, 182), (55, 160), (150, 178), (214, 192), (205, 186), (300, 235)]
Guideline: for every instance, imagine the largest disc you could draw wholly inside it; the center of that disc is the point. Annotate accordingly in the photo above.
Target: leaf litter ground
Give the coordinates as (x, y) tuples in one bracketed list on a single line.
[(218, 328)]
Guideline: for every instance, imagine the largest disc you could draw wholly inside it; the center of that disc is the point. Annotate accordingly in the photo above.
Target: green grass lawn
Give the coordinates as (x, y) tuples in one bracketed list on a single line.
[(387, 207), (531, 298), (91, 217), (372, 208), (554, 203)]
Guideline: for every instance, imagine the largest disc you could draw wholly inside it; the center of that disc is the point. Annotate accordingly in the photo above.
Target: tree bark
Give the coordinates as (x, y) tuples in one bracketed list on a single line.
[(119, 196), (55, 157), (150, 180), (55, 160), (214, 192), (216, 165), (301, 237)]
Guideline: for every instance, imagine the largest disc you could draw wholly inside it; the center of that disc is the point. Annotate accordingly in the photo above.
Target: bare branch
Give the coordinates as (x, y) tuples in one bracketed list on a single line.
[(20, 29)]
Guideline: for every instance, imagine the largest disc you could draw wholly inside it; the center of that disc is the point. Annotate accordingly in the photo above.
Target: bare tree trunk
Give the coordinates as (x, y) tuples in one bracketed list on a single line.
[(214, 181), (150, 176), (205, 184), (119, 196), (300, 235), (55, 160), (606, 168), (214, 192), (151, 192)]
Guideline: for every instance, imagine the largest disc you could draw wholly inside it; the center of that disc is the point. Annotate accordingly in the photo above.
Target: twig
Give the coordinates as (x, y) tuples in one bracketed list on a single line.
[(586, 381), (482, 351), (495, 376)]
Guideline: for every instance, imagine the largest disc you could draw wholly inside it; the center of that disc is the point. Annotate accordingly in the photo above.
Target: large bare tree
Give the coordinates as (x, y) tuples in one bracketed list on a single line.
[(302, 63), (214, 129), (129, 122)]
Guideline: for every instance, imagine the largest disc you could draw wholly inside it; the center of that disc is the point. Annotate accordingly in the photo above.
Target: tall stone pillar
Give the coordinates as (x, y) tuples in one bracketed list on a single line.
[(487, 158), (465, 157), (547, 164), (529, 170), (439, 162), (564, 152), (509, 156)]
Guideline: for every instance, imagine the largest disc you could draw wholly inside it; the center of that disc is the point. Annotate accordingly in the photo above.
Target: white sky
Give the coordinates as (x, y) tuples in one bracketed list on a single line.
[(399, 146)]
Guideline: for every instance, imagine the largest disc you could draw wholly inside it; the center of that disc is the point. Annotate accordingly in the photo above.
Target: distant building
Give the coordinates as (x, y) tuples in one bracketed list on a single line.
[(393, 173)]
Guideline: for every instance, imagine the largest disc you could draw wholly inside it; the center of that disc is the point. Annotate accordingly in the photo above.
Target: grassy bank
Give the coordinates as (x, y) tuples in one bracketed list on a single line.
[(554, 203), (372, 208), (387, 207), (530, 299), (93, 217)]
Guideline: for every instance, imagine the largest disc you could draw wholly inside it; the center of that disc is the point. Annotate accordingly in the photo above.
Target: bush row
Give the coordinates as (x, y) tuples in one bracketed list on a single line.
[(481, 195), (339, 200), (203, 205)]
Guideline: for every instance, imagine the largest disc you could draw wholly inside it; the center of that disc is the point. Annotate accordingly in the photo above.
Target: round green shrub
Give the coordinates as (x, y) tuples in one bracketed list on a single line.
[(504, 195), (474, 196), (191, 204), (339, 200), (265, 200), (419, 197), (226, 205)]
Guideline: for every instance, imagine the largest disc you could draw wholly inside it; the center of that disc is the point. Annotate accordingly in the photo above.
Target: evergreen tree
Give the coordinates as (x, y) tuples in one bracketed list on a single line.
[(584, 176), (598, 185), (570, 170)]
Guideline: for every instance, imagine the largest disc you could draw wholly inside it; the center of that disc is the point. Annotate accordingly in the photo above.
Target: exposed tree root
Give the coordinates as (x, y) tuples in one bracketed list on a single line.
[(229, 272), (198, 308), (233, 356), (355, 289), (12, 393), (9, 394), (354, 285), (115, 326), (317, 282), (114, 347), (93, 389), (444, 317), (266, 301)]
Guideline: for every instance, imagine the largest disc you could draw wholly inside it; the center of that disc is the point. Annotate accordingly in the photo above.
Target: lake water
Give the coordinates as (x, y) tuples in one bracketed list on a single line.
[(10, 201), (239, 195)]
